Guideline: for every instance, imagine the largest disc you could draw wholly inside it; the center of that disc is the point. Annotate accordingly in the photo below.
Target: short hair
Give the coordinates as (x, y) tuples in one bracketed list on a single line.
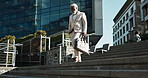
[(75, 5), (136, 32)]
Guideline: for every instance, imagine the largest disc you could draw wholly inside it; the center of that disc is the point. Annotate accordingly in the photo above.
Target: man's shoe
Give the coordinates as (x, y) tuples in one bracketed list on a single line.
[(74, 59)]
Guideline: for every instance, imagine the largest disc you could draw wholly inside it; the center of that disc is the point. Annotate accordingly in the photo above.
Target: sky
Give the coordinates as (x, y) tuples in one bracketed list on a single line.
[(110, 9)]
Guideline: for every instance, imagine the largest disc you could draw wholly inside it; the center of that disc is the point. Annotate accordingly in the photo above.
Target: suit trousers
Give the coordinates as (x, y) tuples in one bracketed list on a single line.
[(77, 54)]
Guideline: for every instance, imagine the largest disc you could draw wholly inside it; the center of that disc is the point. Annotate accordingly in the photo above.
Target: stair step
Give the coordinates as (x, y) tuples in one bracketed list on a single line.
[(82, 74), (17, 76), (125, 50), (135, 44), (128, 48), (126, 67), (114, 55)]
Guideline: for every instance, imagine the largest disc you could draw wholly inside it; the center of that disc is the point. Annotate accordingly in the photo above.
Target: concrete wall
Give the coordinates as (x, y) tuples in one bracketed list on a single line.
[(97, 17)]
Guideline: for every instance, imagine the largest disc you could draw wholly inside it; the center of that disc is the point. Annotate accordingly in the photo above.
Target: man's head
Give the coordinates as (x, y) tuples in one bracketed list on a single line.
[(136, 32), (74, 8)]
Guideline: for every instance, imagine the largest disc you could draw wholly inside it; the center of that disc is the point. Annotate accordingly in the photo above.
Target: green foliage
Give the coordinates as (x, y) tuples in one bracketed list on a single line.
[(25, 38), (10, 37), (59, 37), (66, 35), (30, 36), (40, 32)]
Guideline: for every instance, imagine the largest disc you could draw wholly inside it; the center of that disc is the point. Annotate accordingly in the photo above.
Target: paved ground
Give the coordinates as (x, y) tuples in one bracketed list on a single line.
[(6, 69)]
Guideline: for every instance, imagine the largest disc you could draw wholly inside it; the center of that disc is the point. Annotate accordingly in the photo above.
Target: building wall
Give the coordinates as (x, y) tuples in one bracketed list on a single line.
[(23, 17), (56, 15), (126, 23), (144, 16), (97, 22), (16, 17)]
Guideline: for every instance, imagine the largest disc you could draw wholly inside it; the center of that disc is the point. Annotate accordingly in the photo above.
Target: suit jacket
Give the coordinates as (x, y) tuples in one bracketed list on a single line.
[(79, 24)]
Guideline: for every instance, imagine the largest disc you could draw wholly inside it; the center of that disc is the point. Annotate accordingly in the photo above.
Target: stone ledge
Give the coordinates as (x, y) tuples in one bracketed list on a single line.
[(6, 69), (125, 62), (90, 73)]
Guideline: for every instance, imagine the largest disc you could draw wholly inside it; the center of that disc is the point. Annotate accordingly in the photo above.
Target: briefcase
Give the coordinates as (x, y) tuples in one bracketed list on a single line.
[(81, 45)]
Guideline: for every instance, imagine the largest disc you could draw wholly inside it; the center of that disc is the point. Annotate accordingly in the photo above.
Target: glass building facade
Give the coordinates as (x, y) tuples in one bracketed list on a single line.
[(23, 17)]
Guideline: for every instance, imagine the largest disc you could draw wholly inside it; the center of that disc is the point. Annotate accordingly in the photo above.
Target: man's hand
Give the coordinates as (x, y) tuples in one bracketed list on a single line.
[(83, 34)]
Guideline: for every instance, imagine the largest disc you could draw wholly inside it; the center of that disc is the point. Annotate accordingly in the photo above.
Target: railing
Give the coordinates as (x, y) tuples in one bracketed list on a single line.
[(8, 53)]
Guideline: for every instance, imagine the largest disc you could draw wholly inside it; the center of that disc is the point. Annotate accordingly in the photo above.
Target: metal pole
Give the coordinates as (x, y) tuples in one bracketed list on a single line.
[(7, 53), (40, 49), (49, 43), (60, 54), (21, 55), (45, 44), (14, 53), (63, 39), (88, 38), (36, 15), (45, 50), (30, 52), (41, 44)]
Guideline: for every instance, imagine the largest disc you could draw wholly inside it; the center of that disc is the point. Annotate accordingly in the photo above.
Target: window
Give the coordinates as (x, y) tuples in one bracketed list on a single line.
[(121, 41), (147, 9), (63, 2), (46, 3), (127, 37), (118, 25), (15, 2), (124, 39), (127, 16), (131, 22), (44, 18), (115, 28), (120, 32), (147, 24), (54, 3), (123, 29), (120, 22), (113, 38), (127, 28), (123, 19), (132, 10)]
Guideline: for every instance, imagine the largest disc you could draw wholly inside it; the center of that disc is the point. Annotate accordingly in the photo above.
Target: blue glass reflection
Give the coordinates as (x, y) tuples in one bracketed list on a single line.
[(23, 17)]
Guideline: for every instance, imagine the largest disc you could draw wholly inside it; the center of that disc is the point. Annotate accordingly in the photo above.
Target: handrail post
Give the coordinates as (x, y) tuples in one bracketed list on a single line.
[(7, 53), (60, 54)]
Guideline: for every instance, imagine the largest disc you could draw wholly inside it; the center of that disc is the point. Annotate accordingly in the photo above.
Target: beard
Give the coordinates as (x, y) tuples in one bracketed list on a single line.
[(75, 12)]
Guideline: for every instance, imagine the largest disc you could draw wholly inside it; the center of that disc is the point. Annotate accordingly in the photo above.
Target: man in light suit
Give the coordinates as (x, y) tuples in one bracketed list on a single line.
[(77, 27)]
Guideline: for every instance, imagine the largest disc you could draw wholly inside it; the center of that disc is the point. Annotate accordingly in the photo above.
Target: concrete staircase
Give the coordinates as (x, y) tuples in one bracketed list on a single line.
[(124, 61), (126, 50)]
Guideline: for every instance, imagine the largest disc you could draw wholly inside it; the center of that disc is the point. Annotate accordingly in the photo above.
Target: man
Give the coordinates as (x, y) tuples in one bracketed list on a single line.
[(77, 27), (137, 36)]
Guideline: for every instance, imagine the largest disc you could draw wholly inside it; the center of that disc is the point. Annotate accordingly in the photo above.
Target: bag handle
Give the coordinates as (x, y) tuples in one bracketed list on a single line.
[(83, 38)]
